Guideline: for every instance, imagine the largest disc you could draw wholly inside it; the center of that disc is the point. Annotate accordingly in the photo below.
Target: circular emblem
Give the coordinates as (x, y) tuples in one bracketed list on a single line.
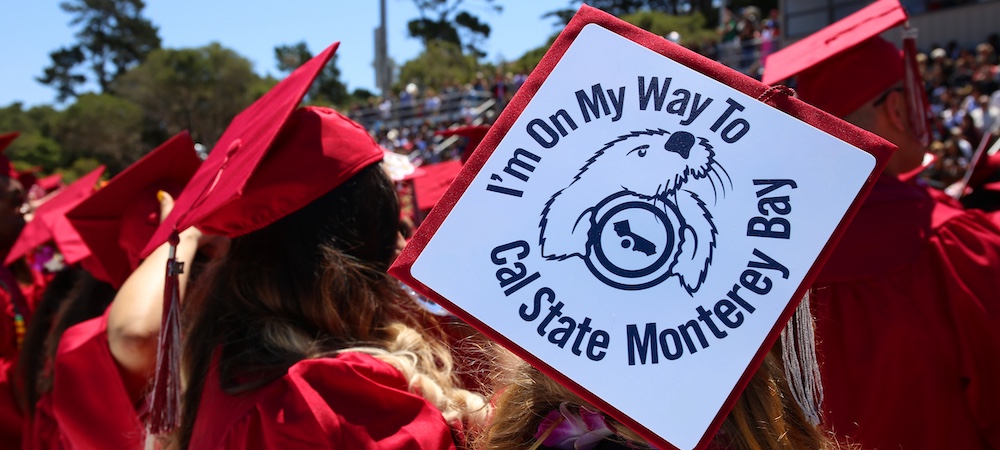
[(633, 242)]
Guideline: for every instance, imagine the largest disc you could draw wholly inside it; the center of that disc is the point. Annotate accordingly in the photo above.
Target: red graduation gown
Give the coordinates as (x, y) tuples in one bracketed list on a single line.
[(908, 324), (88, 407), (10, 412), (351, 401), (13, 301)]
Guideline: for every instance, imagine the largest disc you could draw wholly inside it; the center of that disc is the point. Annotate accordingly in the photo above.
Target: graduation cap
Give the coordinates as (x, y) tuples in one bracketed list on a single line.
[(845, 65), (435, 181), (246, 183), (576, 222), (272, 160), (50, 223), (5, 164), (118, 220)]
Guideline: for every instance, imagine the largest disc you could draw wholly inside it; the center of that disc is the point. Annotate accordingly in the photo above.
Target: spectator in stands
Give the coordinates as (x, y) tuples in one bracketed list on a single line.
[(985, 117)]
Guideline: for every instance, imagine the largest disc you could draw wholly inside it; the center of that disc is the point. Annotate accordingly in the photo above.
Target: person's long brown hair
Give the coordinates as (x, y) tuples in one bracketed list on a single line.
[(308, 285), (765, 416), (73, 296)]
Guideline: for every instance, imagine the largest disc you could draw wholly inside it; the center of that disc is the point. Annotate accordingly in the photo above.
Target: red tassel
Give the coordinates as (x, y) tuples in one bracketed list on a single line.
[(913, 85), (165, 400)]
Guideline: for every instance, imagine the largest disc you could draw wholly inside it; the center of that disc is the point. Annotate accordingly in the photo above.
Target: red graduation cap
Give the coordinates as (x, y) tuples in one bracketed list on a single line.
[(5, 164), (246, 183), (50, 222), (50, 183), (845, 65), (29, 177), (118, 220), (435, 181), (474, 133), (272, 160)]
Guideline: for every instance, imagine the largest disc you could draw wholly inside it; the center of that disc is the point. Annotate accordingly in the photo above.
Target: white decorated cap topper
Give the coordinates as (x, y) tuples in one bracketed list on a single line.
[(638, 220)]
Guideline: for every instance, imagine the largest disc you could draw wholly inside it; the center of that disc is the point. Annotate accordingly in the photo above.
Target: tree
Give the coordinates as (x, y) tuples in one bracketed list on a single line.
[(693, 29), (36, 146), (114, 38), (441, 62), (197, 89), (447, 21), (103, 127), (527, 62), (327, 88), (622, 8), (617, 8)]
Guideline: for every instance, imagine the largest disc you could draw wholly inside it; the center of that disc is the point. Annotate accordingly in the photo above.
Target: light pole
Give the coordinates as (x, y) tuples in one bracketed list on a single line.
[(383, 74)]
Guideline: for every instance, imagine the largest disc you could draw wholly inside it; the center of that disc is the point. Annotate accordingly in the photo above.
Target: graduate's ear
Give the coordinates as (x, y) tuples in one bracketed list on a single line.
[(895, 110)]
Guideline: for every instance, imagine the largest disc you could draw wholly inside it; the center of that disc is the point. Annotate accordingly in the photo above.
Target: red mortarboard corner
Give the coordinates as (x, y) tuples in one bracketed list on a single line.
[(5, 164), (118, 220), (50, 223)]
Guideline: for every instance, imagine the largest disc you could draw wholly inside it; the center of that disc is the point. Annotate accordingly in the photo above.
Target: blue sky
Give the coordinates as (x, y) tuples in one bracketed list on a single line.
[(253, 28)]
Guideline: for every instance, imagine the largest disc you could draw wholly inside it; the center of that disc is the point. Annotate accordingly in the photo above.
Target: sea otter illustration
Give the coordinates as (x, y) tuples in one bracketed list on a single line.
[(650, 170)]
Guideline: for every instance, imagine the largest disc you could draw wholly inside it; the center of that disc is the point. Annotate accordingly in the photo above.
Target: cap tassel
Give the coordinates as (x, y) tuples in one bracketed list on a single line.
[(913, 85), (165, 400), (798, 353)]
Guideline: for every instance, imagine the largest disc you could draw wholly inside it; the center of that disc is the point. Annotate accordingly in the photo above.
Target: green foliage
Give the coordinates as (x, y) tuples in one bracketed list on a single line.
[(621, 8), (196, 89), (103, 127), (36, 145), (440, 63), (447, 21), (327, 89), (79, 168), (527, 62), (693, 28), (114, 38), (33, 149)]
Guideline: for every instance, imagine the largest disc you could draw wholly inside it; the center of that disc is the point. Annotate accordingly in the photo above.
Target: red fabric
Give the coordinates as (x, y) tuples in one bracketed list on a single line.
[(351, 401), (843, 35), (316, 151), (51, 182), (985, 167), (28, 178), (116, 222), (474, 134), (11, 417), (838, 87), (435, 181), (908, 324), (50, 222), (88, 407), (39, 282)]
